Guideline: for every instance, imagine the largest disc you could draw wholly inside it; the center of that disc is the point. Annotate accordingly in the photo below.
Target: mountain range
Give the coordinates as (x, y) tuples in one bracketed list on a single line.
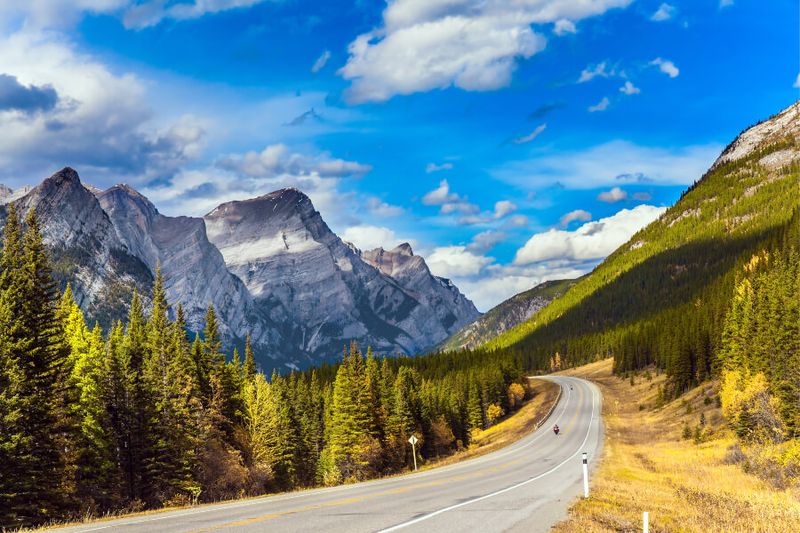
[(270, 266)]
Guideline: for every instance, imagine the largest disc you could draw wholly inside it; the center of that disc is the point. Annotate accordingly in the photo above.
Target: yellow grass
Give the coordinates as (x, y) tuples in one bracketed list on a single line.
[(512, 428), (647, 466)]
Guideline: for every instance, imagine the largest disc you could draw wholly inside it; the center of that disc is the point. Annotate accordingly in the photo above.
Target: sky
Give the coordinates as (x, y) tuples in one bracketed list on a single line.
[(510, 142)]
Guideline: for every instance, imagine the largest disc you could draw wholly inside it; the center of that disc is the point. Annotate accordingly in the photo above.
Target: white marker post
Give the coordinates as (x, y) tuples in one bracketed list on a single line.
[(646, 522), (585, 475), (413, 440)]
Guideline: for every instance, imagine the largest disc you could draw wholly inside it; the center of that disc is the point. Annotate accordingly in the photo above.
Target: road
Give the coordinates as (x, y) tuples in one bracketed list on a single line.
[(526, 486)]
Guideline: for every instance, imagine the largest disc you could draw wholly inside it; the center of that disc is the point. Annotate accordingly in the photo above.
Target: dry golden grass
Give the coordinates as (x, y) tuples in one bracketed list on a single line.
[(684, 486), (512, 428)]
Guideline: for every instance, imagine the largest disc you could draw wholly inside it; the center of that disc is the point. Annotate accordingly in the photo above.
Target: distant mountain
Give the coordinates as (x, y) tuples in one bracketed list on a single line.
[(320, 291), (270, 266), (678, 274), (506, 315)]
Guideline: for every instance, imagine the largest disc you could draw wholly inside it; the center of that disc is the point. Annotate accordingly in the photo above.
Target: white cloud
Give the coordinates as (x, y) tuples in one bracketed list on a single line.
[(667, 67), (503, 208), (664, 12), (578, 214), (435, 44), (456, 261), (609, 164), (591, 241), (143, 15), (613, 196), (485, 241), (642, 196), (590, 73), (564, 26), (725, 3), (629, 89), (531, 136), (440, 195), (367, 237), (99, 122), (277, 159), (321, 61), (602, 105), (797, 82), (40, 14), (433, 167), (379, 208)]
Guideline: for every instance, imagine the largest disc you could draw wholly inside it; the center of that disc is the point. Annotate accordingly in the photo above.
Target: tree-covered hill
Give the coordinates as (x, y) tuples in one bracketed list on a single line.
[(506, 315), (662, 297)]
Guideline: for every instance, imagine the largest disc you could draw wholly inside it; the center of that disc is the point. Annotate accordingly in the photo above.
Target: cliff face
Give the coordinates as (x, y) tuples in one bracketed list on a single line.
[(320, 289), (270, 266)]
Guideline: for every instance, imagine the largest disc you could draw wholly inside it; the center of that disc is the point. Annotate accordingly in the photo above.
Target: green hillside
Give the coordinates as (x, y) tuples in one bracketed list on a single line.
[(506, 315), (662, 297)]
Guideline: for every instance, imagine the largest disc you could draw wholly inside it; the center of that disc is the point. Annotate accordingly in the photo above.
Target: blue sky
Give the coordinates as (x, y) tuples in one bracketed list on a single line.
[(510, 142)]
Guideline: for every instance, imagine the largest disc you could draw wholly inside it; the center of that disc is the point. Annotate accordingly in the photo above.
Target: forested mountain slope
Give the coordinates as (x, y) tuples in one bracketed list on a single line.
[(506, 315), (663, 296)]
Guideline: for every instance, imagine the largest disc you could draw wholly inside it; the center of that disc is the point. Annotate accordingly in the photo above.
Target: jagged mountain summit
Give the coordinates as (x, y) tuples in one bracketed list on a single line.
[(320, 290), (270, 266)]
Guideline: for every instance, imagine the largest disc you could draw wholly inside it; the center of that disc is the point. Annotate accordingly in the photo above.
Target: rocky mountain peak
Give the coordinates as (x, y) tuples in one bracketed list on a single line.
[(403, 249), (124, 194)]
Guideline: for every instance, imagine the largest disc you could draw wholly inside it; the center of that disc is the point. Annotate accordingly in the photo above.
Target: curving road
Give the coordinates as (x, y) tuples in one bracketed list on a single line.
[(526, 486)]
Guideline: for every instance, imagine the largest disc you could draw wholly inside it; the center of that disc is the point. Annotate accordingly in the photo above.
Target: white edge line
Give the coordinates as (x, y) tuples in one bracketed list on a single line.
[(501, 491)]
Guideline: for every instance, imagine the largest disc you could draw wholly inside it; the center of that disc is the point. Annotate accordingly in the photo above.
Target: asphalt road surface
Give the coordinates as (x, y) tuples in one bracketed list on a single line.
[(526, 486)]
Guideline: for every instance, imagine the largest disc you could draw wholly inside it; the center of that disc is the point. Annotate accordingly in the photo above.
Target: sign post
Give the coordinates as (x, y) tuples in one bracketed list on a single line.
[(585, 475), (413, 440)]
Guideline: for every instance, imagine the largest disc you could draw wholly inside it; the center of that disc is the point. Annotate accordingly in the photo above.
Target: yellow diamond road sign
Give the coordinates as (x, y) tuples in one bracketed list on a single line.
[(413, 440)]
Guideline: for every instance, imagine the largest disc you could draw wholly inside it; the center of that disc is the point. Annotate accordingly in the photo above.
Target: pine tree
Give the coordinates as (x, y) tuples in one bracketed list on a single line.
[(249, 360)]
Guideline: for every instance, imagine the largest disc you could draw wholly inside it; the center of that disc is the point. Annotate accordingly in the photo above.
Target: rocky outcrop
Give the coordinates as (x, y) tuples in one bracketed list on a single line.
[(194, 271), (85, 249), (506, 315), (319, 288)]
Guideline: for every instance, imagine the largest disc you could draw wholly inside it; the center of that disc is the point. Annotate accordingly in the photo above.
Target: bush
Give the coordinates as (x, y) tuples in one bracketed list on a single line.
[(493, 413), (750, 409)]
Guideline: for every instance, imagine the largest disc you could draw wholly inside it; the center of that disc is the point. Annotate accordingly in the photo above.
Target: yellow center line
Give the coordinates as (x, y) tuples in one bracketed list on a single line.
[(279, 514), (578, 410)]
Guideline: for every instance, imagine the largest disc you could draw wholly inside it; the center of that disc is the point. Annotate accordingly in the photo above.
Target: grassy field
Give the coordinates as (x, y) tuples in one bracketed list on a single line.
[(685, 484)]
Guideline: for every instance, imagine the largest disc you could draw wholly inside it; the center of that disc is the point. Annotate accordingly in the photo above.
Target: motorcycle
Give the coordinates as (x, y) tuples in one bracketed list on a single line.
[(556, 430)]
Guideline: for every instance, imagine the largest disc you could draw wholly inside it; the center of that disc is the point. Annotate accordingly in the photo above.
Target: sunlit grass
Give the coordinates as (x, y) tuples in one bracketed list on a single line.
[(648, 466)]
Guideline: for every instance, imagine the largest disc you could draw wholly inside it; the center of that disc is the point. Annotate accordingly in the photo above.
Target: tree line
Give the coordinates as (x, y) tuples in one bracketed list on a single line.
[(147, 414)]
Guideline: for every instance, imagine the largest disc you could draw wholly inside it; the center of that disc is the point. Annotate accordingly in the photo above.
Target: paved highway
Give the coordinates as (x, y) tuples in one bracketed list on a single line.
[(526, 486)]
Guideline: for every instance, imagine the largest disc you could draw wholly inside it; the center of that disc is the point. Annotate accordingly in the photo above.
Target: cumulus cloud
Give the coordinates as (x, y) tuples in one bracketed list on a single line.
[(485, 241), (456, 261), (277, 159), (629, 89), (591, 241), (664, 12), (321, 61), (613, 196), (503, 208), (602, 105), (28, 99), (366, 237), (531, 136), (609, 163), (433, 167), (564, 26), (146, 14), (434, 44), (379, 208), (667, 67), (440, 195), (578, 214), (85, 116)]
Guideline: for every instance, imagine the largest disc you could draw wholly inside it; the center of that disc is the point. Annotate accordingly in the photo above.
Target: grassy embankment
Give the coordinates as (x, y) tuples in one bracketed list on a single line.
[(686, 484)]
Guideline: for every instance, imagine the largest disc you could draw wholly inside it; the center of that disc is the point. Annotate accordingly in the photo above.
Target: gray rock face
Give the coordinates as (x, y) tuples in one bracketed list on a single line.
[(194, 271), (450, 308), (86, 251), (270, 266), (319, 288), (507, 315)]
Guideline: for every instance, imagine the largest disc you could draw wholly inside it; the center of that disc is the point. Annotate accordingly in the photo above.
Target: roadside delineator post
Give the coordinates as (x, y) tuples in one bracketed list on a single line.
[(585, 475), (645, 522), (413, 440)]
